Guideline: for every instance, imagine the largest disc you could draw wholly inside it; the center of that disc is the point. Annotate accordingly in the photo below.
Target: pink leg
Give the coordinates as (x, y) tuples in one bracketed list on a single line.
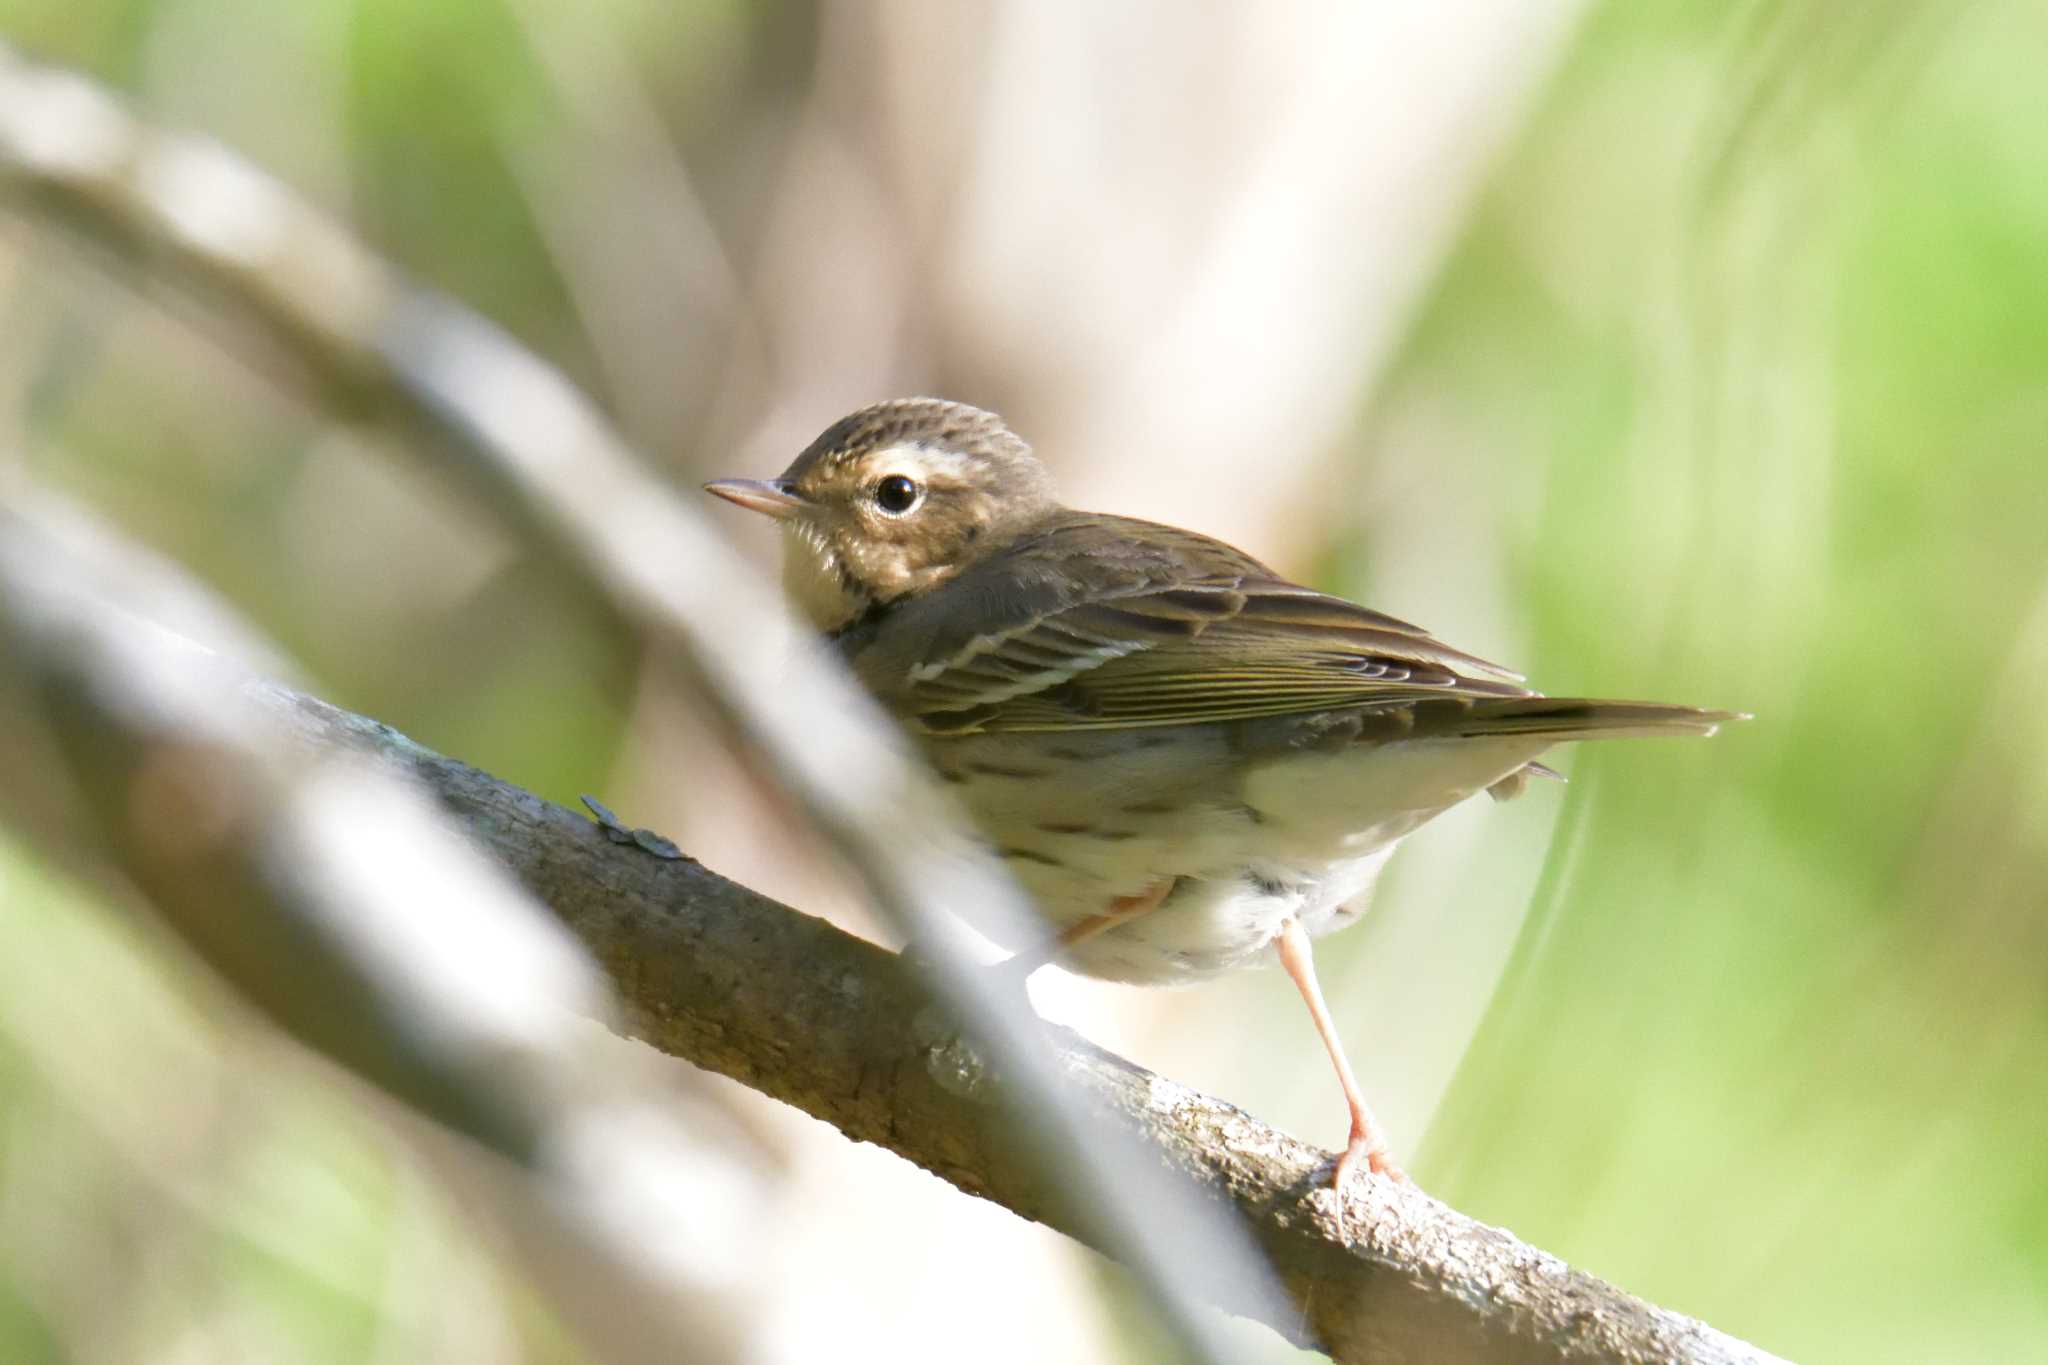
[(1366, 1138)]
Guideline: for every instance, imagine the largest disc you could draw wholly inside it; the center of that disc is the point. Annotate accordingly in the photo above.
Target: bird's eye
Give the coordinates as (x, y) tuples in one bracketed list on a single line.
[(897, 494)]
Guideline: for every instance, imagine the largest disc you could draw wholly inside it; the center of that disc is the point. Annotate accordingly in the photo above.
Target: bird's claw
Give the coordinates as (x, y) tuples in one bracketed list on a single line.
[(1369, 1147)]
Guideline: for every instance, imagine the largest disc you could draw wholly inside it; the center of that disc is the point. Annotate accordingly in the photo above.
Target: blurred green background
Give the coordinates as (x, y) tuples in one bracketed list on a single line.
[(1695, 351)]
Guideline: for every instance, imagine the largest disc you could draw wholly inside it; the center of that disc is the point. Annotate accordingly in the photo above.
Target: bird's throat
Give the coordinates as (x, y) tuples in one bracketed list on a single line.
[(822, 587)]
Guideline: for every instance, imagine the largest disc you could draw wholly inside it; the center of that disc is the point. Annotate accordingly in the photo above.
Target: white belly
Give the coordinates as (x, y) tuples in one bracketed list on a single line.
[(1084, 820)]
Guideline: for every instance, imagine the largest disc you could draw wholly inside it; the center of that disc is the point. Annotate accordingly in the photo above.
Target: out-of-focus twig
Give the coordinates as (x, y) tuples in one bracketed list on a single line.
[(190, 214), (334, 898), (725, 978)]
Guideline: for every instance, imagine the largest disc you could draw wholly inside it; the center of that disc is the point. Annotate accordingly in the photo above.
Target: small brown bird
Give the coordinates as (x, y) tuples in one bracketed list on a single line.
[(1191, 764)]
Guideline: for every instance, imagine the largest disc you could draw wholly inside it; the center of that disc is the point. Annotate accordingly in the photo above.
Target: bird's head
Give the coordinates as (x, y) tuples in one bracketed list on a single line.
[(893, 501)]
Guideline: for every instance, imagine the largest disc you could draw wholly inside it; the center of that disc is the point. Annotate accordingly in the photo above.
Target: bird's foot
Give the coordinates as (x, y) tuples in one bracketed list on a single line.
[(1367, 1146)]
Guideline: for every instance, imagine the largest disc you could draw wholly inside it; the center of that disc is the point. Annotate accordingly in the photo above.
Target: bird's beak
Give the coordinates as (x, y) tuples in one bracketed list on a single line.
[(773, 497)]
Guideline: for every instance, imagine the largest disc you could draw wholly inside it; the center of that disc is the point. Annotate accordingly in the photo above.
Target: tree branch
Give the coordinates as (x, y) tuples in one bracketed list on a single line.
[(722, 977)]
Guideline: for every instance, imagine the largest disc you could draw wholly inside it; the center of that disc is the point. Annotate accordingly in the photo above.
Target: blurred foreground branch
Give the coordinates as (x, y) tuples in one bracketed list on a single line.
[(132, 758)]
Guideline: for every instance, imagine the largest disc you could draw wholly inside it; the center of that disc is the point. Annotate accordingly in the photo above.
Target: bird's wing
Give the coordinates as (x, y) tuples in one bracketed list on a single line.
[(1080, 630)]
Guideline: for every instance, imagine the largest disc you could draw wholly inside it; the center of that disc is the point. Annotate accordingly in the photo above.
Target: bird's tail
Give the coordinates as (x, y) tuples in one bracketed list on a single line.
[(1566, 718)]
